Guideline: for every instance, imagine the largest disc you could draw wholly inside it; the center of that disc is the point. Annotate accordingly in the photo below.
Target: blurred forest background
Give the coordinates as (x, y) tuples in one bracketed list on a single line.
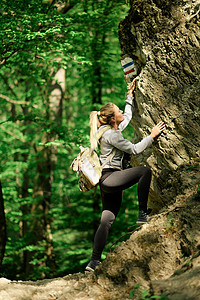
[(59, 61)]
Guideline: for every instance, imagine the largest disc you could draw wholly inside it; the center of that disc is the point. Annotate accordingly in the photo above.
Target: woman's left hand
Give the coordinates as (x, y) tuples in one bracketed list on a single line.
[(157, 130), (132, 88)]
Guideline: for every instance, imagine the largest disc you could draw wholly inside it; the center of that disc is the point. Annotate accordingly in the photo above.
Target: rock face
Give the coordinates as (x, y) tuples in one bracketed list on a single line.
[(77, 286), (162, 37), (163, 256)]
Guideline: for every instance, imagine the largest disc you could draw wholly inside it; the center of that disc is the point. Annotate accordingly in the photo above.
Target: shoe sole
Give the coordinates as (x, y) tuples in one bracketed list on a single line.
[(141, 223), (89, 269)]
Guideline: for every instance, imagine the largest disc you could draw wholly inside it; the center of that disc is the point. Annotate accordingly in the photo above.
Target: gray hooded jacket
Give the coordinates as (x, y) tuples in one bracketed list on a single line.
[(113, 138)]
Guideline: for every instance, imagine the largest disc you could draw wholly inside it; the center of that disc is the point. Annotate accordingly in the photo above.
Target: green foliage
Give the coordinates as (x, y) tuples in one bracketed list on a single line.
[(132, 292), (143, 294), (37, 40), (196, 196)]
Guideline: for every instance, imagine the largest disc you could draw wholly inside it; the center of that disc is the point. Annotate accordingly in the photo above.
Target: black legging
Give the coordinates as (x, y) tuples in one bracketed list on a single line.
[(112, 184)]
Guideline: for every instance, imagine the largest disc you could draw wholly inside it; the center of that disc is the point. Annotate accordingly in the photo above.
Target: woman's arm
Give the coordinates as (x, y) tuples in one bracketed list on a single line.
[(116, 139), (129, 108)]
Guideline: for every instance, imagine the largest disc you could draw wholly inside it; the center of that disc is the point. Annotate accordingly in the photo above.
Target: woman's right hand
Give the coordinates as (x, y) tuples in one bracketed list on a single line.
[(157, 130)]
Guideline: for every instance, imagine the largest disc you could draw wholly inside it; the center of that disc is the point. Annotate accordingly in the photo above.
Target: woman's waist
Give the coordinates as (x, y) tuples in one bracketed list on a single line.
[(105, 170), (112, 164)]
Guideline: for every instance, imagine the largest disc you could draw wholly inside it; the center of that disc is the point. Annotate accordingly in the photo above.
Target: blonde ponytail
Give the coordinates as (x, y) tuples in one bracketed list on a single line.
[(99, 118), (94, 125)]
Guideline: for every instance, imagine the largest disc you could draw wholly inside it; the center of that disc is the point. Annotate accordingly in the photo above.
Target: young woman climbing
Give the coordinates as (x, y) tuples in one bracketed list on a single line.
[(114, 179)]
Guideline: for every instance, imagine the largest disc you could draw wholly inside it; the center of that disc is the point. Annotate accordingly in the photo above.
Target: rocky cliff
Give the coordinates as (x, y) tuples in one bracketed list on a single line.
[(163, 256), (162, 37)]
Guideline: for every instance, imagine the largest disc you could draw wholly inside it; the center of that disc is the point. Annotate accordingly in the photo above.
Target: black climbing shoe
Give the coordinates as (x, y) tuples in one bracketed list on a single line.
[(142, 218), (149, 210), (92, 265)]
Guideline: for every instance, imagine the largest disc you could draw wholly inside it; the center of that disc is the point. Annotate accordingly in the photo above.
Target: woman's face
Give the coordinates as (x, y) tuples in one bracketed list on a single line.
[(118, 118)]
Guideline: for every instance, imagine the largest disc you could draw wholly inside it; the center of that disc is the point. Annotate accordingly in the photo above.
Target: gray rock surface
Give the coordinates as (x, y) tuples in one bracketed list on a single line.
[(163, 39)]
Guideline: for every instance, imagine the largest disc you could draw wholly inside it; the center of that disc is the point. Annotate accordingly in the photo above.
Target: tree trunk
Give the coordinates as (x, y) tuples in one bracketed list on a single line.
[(40, 225), (46, 161), (2, 227), (25, 208), (97, 46)]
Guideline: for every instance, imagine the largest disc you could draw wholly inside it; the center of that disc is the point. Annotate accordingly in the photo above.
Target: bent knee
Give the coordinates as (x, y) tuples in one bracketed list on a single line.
[(148, 170), (107, 218)]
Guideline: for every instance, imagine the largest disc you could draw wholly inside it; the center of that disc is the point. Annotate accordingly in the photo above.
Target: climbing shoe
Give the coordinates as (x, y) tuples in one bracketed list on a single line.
[(142, 218), (149, 210), (92, 265)]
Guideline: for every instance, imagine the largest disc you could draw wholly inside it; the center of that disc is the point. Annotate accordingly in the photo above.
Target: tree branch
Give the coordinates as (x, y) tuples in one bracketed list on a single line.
[(50, 6), (12, 134), (13, 101)]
